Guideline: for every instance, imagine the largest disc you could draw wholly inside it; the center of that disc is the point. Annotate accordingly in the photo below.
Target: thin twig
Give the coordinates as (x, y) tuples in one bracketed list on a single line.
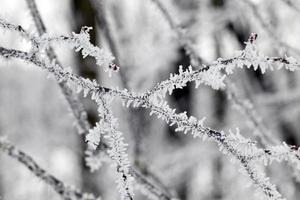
[(67, 192)]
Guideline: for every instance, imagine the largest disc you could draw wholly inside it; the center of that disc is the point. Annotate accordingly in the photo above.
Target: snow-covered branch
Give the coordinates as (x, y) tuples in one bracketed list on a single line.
[(78, 41)]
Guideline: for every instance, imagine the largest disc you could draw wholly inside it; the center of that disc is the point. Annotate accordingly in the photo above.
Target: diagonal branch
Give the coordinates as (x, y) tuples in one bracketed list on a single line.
[(66, 192)]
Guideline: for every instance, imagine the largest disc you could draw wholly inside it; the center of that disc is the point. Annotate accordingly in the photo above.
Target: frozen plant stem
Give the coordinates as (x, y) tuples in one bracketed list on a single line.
[(107, 127)]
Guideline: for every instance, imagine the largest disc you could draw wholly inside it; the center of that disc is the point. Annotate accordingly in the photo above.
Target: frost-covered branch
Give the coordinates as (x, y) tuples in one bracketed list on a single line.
[(107, 127), (66, 192), (211, 75), (239, 149), (278, 153), (81, 42), (229, 144), (245, 105), (20, 30), (78, 41), (206, 73), (249, 57)]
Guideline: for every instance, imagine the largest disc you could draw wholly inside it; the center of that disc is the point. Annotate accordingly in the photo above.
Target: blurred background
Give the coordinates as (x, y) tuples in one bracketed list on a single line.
[(34, 114)]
